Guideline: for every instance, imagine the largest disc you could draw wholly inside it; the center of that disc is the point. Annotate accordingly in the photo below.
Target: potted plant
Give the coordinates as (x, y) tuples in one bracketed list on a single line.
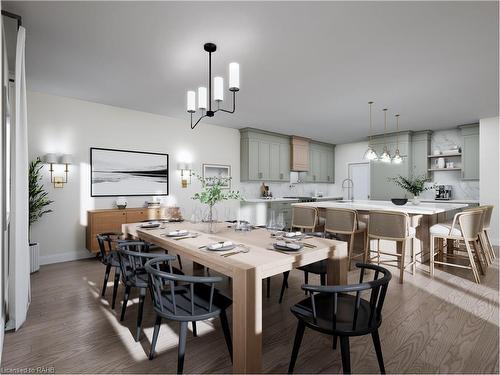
[(413, 185), (212, 193), (38, 202)]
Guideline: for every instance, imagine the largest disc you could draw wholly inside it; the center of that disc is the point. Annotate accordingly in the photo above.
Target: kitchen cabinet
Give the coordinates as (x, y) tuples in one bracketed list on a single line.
[(470, 151), (420, 149), (300, 154), (264, 156), (322, 163)]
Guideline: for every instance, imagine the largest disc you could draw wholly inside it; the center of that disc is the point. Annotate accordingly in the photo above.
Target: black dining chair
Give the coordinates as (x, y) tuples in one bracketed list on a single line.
[(109, 257), (133, 256), (334, 311), (152, 246), (194, 300)]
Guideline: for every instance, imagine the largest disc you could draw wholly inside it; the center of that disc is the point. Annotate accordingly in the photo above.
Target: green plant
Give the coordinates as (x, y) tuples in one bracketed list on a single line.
[(415, 185), (38, 197), (213, 190)]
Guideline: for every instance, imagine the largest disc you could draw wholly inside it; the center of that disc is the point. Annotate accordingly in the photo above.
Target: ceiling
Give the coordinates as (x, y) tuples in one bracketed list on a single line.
[(307, 69)]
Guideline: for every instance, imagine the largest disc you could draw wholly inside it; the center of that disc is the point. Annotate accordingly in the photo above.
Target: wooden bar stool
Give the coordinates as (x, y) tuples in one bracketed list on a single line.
[(345, 221), (391, 226), (466, 227)]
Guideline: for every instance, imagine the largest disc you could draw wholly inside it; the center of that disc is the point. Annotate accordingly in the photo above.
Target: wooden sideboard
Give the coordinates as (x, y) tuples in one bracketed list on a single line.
[(111, 220)]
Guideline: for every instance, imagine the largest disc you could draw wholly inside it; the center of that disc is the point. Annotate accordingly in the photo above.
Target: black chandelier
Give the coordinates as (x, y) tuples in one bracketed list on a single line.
[(218, 94)]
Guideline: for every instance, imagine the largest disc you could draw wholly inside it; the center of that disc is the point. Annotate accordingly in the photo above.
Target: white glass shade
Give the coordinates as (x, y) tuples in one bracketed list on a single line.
[(191, 101), (218, 89), (66, 159), (370, 154), (202, 97), (397, 159), (385, 157), (51, 159), (234, 76)]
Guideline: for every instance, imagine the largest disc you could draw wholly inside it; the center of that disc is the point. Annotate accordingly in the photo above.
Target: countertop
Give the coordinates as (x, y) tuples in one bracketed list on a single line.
[(421, 209), (465, 201), (291, 200)]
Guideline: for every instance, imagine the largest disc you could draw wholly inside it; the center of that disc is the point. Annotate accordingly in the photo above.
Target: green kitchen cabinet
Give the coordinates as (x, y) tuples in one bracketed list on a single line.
[(321, 163), (470, 151), (420, 150)]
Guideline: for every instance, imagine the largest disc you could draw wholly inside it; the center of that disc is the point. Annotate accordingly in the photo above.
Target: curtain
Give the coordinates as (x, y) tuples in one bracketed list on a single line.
[(19, 267)]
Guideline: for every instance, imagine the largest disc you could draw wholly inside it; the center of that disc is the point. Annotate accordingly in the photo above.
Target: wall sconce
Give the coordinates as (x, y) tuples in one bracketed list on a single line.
[(185, 169), (52, 159)]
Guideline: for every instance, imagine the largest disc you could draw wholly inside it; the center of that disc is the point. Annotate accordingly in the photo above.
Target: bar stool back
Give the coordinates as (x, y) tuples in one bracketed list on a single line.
[(304, 218)]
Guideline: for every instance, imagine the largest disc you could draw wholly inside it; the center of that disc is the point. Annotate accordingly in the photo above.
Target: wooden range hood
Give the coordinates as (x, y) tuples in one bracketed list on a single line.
[(300, 154)]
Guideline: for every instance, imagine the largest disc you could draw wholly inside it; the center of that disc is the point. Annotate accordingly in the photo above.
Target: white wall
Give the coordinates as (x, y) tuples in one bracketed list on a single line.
[(489, 166), (64, 125), (345, 154)]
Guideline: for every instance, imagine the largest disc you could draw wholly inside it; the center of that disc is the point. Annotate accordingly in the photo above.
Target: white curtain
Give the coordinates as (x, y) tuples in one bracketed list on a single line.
[(19, 262)]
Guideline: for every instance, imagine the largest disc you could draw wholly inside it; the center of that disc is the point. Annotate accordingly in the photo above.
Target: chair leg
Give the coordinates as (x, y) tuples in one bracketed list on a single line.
[(195, 330), (378, 350), (402, 262), (367, 249), (334, 342), (322, 278), (493, 256), (346, 357), (227, 333), (413, 258), (283, 285), (351, 247), (431, 256), (180, 262), (472, 262), (106, 277), (125, 301), (480, 256), (140, 309), (156, 331), (182, 346), (296, 345), (378, 251), (306, 280), (115, 286), (486, 248), (268, 287)]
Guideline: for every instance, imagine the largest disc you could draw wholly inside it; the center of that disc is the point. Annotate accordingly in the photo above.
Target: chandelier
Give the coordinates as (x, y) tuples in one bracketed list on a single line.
[(370, 153), (204, 103)]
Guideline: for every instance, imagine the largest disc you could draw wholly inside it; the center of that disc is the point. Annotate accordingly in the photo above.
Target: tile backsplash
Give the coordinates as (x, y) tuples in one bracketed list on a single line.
[(283, 189), (467, 190)]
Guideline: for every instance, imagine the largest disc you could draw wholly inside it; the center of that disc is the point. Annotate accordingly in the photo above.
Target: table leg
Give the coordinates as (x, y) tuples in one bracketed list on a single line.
[(247, 321), (337, 265)]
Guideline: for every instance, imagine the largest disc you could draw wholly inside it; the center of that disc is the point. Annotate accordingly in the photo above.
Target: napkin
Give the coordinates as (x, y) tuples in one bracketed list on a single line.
[(178, 232), (293, 234), (293, 246), (218, 245)]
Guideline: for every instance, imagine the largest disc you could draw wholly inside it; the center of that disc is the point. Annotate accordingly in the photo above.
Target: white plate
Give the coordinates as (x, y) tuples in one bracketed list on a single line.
[(223, 248), (286, 248), (181, 234)]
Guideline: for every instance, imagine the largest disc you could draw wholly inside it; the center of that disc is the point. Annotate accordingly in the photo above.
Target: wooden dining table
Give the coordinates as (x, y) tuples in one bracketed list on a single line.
[(247, 271)]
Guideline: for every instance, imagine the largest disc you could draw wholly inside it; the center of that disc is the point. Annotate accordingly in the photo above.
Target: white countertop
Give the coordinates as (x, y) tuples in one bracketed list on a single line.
[(409, 208), (466, 201), (264, 200)]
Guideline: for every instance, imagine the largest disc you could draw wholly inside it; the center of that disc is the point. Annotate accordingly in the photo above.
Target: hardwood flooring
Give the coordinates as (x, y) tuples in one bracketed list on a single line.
[(447, 324)]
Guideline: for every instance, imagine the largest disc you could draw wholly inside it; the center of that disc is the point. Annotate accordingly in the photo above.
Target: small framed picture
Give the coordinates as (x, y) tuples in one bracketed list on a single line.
[(217, 171)]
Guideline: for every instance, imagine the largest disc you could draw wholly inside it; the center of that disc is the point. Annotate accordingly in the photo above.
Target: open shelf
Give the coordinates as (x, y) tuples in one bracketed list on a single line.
[(444, 155), (443, 169)]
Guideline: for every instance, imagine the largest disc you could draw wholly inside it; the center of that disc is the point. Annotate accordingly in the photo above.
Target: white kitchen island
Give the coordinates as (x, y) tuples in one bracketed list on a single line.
[(422, 216)]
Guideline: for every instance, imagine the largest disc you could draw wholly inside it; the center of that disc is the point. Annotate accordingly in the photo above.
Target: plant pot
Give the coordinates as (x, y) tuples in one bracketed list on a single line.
[(34, 257), (211, 219), (416, 200)]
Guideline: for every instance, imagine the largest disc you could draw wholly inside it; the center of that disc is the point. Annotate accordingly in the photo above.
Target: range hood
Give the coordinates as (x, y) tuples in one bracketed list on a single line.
[(300, 154)]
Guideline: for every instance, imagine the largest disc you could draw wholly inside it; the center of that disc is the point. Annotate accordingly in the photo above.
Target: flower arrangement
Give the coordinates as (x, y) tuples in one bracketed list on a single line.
[(213, 191), (413, 185)]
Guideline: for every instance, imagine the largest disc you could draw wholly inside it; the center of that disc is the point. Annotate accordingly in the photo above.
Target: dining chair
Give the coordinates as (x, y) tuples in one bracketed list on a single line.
[(109, 257), (152, 246), (486, 229), (345, 221), (465, 228), (306, 219), (133, 257), (195, 299), (391, 226), (333, 310)]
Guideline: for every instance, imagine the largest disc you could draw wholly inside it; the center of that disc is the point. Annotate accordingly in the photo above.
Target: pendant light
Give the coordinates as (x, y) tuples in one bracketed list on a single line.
[(385, 157), (370, 153), (397, 159)]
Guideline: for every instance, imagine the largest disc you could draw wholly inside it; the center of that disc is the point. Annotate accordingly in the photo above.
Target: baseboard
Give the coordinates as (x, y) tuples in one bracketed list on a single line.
[(65, 257)]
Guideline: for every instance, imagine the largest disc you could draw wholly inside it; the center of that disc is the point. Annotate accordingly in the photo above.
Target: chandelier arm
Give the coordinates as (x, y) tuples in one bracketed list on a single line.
[(234, 105), (194, 126)]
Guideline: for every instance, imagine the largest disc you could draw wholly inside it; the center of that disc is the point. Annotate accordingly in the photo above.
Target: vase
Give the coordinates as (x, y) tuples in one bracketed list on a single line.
[(211, 219), (416, 200), (34, 257)]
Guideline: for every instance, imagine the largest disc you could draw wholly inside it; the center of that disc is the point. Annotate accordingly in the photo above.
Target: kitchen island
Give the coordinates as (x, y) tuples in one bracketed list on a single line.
[(422, 216)]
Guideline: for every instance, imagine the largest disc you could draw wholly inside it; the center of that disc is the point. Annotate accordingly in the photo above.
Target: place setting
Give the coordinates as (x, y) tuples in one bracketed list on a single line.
[(180, 234), (225, 248)]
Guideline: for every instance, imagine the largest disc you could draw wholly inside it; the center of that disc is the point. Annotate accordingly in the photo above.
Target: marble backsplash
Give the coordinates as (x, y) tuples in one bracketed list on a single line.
[(467, 190)]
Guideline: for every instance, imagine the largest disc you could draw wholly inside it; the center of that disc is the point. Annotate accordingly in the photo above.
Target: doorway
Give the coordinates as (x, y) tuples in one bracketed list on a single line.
[(359, 173)]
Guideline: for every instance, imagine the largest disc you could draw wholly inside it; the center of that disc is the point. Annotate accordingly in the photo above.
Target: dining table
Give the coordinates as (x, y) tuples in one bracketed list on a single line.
[(422, 216), (253, 260)]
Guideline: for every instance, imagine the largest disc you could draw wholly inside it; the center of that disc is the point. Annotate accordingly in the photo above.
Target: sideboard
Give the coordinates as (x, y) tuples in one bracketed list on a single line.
[(111, 220)]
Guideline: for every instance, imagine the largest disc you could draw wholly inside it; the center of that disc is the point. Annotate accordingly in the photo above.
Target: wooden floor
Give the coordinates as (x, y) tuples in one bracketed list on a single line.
[(447, 325)]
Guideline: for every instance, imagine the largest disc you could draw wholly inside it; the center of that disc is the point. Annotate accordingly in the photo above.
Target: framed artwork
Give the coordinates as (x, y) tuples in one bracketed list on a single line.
[(127, 173), (217, 170)]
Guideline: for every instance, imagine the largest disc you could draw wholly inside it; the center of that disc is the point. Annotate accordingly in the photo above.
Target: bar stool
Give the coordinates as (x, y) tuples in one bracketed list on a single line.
[(345, 221), (391, 226), (486, 229), (466, 227)]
